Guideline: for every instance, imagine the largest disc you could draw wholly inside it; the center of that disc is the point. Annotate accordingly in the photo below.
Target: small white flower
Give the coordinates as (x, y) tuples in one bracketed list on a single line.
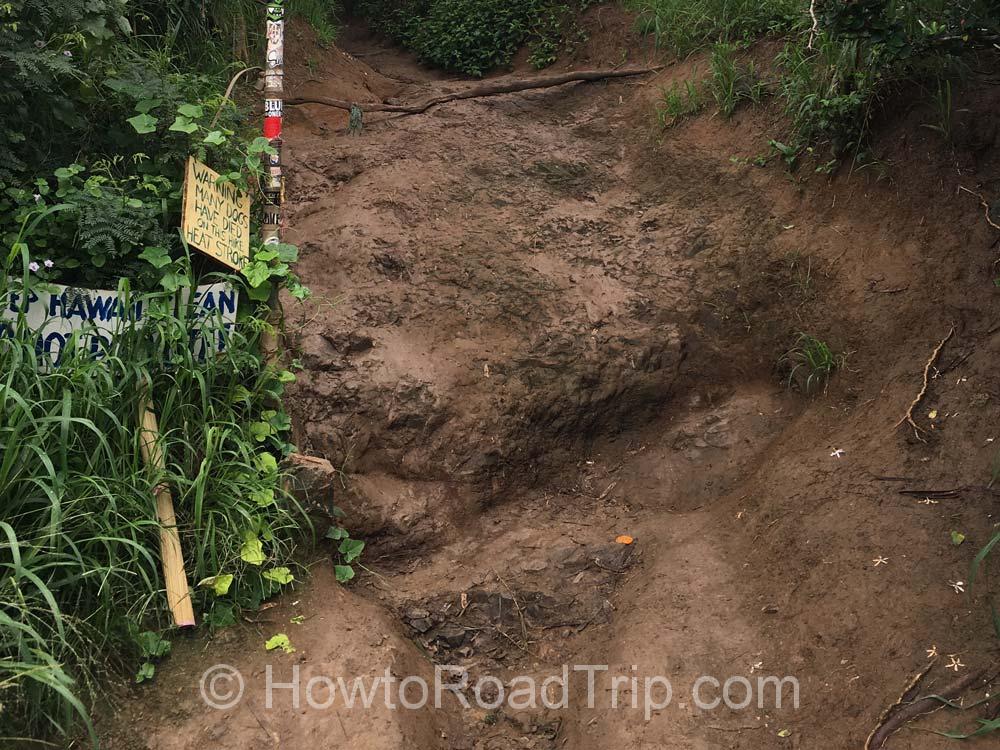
[(880, 561), (48, 263), (959, 586), (838, 453), (33, 267), (955, 663), (67, 53), (932, 652), (37, 197)]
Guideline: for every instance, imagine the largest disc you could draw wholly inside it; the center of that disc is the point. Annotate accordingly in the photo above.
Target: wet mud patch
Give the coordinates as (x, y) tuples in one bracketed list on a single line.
[(510, 621), (571, 178)]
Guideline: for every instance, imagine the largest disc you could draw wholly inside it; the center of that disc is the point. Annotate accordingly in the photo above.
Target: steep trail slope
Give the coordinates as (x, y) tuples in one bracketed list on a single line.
[(528, 273), (540, 324)]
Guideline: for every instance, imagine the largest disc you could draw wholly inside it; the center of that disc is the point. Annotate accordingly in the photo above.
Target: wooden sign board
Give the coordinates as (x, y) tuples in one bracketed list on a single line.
[(97, 316), (216, 217)]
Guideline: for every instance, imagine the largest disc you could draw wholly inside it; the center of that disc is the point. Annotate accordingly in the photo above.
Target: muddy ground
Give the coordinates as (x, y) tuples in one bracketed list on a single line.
[(540, 323)]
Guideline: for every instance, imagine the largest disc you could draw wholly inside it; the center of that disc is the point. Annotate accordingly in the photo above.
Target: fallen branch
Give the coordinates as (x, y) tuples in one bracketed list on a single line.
[(891, 720), (491, 88), (908, 417)]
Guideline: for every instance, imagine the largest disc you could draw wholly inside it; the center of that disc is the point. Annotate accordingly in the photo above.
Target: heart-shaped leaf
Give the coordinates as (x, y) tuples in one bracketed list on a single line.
[(143, 123)]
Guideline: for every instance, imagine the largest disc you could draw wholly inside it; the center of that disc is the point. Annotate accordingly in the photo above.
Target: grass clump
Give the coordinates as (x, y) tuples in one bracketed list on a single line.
[(730, 83), (678, 102), (733, 82), (810, 363)]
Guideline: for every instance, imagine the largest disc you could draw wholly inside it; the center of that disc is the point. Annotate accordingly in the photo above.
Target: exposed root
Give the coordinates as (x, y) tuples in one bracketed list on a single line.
[(908, 417), (985, 205), (492, 88), (902, 711), (520, 614)]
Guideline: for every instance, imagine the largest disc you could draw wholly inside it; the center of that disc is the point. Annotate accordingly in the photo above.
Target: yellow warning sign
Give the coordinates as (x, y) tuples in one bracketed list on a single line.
[(216, 217)]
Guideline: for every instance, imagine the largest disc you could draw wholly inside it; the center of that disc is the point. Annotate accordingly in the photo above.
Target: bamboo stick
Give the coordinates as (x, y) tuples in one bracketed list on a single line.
[(174, 576)]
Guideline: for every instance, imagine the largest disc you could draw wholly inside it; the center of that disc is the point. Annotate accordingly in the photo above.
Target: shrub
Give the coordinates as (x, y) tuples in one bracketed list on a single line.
[(475, 36), (79, 540)]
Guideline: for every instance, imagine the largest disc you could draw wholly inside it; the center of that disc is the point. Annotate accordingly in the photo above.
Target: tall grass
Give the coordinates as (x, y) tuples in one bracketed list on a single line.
[(221, 29), (685, 25), (733, 82), (79, 538)]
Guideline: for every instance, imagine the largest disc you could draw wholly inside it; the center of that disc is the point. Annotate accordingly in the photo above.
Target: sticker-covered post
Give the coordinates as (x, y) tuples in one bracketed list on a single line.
[(274, 180), (274, 90)]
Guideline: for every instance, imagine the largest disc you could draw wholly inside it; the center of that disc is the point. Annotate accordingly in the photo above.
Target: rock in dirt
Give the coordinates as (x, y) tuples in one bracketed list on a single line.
[(452, 636), (313, 483), (422, 624), (366, 505)]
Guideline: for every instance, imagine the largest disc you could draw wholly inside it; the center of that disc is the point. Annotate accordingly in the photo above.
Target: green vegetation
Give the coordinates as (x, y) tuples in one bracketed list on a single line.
[(832, 80), (810, 363), (679, 102), (105, 100), (477, 36), (733, 82), (685, 25)]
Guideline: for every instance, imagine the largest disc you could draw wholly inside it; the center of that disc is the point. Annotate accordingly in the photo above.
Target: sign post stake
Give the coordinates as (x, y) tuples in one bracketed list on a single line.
[(174, 575)]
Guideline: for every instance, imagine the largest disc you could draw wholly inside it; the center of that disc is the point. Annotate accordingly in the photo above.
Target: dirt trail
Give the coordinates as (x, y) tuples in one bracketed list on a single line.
[(537, 328)]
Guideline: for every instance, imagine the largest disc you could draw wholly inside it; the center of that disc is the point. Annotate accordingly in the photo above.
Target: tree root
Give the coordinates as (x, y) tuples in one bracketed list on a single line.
[(908, 417), (985, 205), (491, 88), (902, 711)]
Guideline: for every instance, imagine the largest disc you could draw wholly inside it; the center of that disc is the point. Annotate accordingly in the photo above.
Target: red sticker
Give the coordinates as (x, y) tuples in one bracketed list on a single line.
[(272, 127)]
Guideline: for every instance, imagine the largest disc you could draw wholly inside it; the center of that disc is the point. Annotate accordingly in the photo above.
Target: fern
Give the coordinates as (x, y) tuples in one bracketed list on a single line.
[(111, 226)]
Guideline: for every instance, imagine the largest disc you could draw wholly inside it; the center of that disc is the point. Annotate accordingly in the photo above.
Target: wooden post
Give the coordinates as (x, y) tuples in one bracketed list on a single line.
[(174, 576)]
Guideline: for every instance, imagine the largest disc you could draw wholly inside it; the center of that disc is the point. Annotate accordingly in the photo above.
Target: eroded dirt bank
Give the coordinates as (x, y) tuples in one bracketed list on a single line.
[(540, 324)]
